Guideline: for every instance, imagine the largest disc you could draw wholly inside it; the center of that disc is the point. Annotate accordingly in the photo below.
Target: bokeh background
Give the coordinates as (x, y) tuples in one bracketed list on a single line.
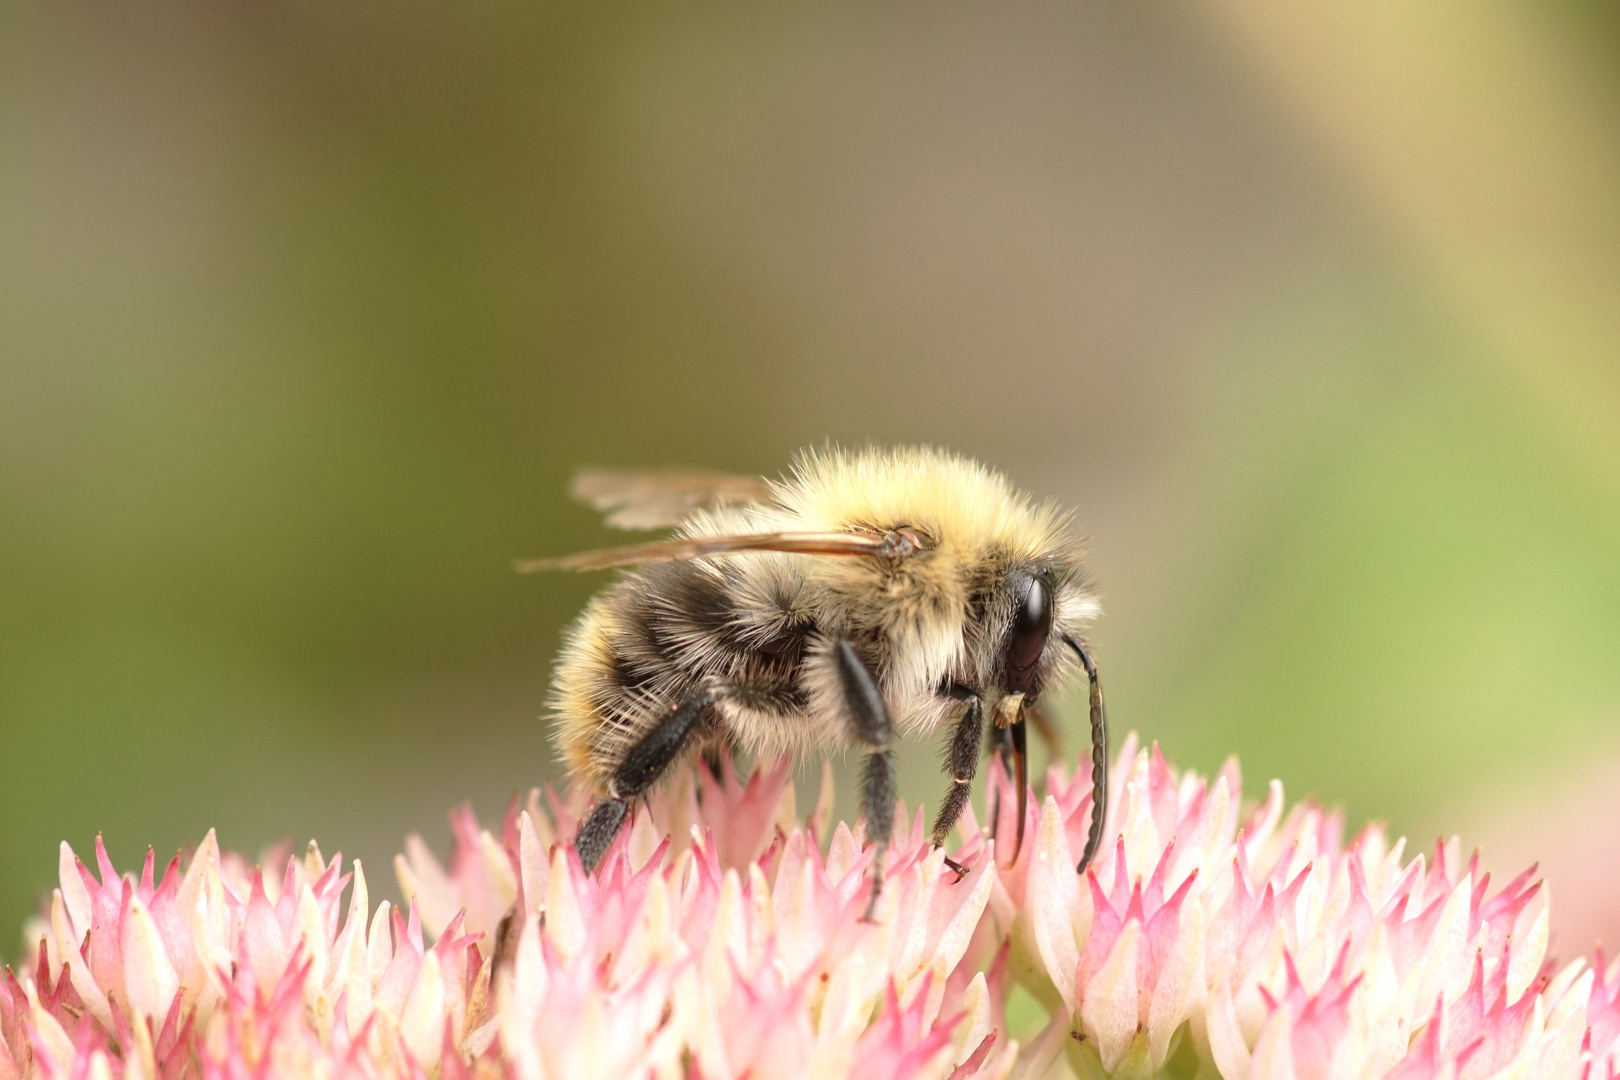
[(308, 311)]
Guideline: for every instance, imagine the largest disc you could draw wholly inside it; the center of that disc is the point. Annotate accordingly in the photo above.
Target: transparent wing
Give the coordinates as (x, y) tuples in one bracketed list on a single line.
[(804, 543), (645, 499)]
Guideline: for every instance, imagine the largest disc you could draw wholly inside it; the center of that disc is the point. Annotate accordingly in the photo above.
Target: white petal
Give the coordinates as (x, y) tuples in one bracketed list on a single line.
[(78, 971), (1274, 1053), (421, 1021), (1255, 839), (534, 872), (652, 939), (74, 892), (1570, 1009), (48, 1033), (1208, 840), (642, 839), (1561, 1054), (565, 925), (1111, 1006), (310, 928), (1387, 873), (314, 862), (351, 968), (1525, 959), (1226, 1044), (379, 944), (1564, 982), (422, 879), (842, 852), (1378, 1000), (520, 997), (100, 1067), (761, 914), (958, 933), (843, 1007), (202, 900), (1446, 964), (1053, 896), (140, 1063), (149, 978), (729, 935), (976, 1025), (1183, 971), (1143, 844), (914, 891), (479, 1039)]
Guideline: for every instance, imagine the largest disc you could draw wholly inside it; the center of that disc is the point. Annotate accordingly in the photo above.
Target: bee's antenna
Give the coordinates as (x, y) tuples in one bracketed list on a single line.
[(1099, 752)]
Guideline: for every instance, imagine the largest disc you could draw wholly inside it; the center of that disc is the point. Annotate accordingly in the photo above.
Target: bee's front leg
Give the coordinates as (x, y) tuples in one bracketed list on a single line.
[(869, 722), (963, 764)]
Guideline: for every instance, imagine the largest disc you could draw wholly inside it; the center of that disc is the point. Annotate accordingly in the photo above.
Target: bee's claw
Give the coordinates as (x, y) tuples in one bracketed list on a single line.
[(959, 869)]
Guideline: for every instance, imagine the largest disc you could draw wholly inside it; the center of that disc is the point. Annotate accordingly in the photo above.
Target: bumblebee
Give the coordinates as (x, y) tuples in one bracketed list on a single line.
[(868, 593)]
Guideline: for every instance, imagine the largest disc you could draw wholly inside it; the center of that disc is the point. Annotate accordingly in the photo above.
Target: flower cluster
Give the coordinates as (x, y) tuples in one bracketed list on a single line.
[(723, 937)]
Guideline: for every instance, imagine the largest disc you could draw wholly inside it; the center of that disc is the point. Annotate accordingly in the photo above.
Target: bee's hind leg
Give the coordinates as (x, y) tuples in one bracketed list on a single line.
[(869, 723), (598, 831), (642, 766), (963, 764)]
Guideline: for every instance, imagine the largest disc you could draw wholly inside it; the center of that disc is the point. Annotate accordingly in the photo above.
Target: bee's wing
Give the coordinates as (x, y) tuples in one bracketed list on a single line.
[(697, 547), (644, 499)]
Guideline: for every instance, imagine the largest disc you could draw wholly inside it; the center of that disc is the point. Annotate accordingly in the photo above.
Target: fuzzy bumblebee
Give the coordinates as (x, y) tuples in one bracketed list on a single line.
[(869, 593)]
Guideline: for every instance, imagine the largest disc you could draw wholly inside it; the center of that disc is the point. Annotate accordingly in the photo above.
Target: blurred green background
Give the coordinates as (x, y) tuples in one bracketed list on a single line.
[(308, 311)]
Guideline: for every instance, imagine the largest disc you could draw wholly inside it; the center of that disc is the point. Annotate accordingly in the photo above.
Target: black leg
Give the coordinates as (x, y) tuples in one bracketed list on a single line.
[(877, 803), (963, 764), (868, 714), (641, 767), (1099, 753), (869, 722), (647, 759), (599, 830)]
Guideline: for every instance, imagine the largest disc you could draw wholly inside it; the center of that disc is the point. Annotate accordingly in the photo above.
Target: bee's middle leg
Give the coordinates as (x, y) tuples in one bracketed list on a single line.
[(642, 766), (963, 765), (870, 724)]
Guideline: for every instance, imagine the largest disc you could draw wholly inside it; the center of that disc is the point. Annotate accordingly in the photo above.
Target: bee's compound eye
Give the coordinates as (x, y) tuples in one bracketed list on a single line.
[(1032, 623)]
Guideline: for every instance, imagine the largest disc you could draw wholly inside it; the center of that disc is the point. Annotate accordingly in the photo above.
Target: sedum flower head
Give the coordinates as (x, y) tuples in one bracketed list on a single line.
[(723, 938)]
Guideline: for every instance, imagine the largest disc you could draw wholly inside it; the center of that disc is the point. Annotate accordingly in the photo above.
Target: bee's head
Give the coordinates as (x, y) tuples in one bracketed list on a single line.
[(1022, 613), (1032, 606)]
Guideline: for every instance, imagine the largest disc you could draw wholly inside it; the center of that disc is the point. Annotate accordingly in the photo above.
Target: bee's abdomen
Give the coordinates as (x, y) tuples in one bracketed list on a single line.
[(659, 637)]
